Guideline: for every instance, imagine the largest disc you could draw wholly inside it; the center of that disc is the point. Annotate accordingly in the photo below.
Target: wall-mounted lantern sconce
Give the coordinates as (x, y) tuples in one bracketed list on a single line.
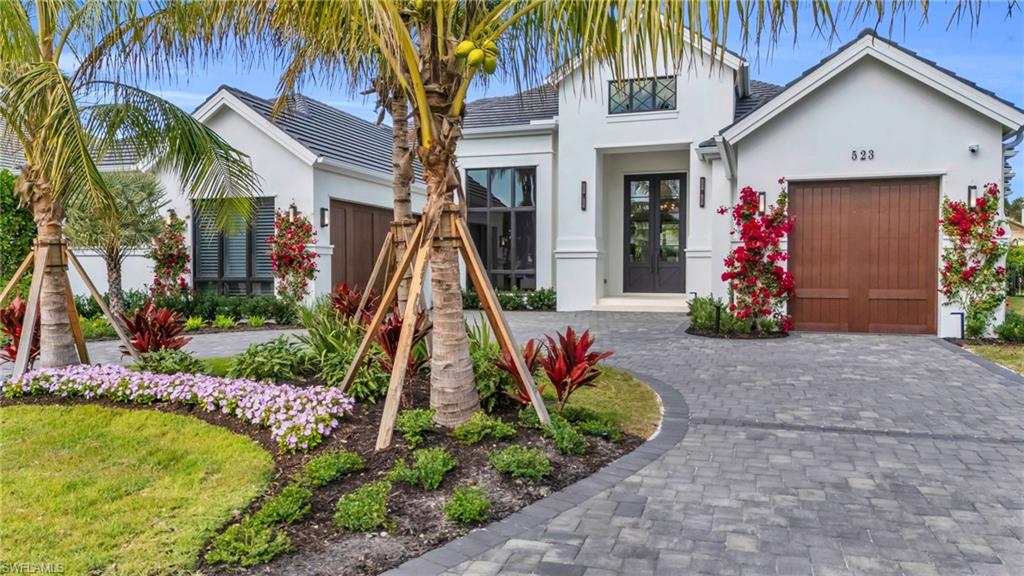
[(972, 197), (762, 202), (583, 195), (325, 217), (171, 217), (703, 183), (293, 212)]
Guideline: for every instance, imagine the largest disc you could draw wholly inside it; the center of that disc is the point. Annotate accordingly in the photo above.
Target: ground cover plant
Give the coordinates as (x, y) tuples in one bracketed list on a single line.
[(468, 505), (298, 418), (84, 494), (279, 360), (428, 470)]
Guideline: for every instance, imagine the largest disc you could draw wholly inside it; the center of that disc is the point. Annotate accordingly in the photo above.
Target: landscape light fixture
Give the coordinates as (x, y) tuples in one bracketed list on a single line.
[(325, 218)]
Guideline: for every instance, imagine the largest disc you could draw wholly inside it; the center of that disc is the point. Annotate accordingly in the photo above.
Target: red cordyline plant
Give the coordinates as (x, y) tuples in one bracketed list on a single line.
[(12, 319), (971, 276), (170, 260), (759, 285), (293, 261), (153, 329), (531, 355), (345, 300), (387, 337)]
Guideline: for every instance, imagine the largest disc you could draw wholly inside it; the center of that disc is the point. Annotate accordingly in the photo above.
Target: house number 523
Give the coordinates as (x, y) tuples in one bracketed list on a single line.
[(862, 155)]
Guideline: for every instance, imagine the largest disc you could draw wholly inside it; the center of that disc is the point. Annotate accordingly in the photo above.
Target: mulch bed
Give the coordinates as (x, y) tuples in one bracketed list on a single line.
[(736, 336), (961, 342), (420, 523)]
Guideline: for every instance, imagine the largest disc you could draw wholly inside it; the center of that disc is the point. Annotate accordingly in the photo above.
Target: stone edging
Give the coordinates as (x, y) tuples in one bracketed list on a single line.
[(985, 363), (674, 426)]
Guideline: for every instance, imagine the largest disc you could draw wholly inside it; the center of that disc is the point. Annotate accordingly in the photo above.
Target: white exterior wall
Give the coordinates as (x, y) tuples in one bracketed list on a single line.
[(522, 149), (590, 136), (913, 130)]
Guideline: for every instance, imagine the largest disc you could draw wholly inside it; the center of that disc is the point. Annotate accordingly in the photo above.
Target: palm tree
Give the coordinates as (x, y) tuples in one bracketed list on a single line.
[(111, 234), (64, 121)]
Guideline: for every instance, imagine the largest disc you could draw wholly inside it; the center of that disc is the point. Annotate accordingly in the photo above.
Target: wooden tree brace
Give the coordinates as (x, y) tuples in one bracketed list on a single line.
[(103, 305), (28, 325), (382, 258), (17, 276)]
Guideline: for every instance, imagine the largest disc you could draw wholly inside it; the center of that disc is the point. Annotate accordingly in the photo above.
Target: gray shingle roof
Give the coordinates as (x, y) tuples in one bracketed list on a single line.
[(540, 103), (10, 152), (11, 158), (327, 131)]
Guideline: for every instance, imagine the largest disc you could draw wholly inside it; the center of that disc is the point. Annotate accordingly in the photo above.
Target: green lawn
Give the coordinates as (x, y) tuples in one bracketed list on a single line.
[(630, 403), (1016, 304), (115, 491), (1009, 355)]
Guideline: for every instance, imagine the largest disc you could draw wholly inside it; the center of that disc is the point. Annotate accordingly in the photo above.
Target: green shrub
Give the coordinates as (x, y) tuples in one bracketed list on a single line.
[(329, 466), (429, 470), (255, 321), (541, 299), (484, 353), (290, 505), (468, 505), (248, 543), (278, 360), (565, 437), (479, 426), (470, 300), (17, 228), (194, 323), (224, 322), (87, 307), (93, 328), (167, 361), (702, 318), (370, 383), (521, 462), (364, 509), (1012, 329), (512, 300), (591, 423), (333, 341), (413, 424)]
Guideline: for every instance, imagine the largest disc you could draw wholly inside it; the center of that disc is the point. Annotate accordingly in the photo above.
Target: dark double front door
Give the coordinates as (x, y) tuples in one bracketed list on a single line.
[(655, 232)]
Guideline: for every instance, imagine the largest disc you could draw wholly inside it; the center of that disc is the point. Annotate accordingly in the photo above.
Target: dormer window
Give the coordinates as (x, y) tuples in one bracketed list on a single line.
[(642, 95)]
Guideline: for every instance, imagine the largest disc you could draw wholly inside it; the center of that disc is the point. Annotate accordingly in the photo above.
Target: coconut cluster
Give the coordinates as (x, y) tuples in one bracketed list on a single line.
[(484, 54)]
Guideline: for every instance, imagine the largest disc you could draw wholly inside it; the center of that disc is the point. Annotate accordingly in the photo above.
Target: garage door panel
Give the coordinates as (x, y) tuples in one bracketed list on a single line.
[(357, 234), (864, 254)]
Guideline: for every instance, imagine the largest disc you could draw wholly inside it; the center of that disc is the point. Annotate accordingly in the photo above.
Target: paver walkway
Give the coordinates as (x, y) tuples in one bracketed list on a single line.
[(816, 454)]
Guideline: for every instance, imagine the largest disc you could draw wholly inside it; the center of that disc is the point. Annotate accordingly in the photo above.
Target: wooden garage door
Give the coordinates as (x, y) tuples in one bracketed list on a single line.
[(357, 233), (865, 255)]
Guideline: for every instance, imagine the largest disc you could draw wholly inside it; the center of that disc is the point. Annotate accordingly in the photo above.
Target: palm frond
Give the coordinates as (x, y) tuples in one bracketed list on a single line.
[(18, 43), (172, 140)]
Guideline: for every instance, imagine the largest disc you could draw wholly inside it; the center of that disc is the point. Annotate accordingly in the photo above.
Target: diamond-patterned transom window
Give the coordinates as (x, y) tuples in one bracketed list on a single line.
[(642, 95)]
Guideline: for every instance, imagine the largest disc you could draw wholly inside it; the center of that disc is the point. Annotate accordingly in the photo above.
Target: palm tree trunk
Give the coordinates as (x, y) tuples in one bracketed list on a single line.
[(114, 290), (56, 342), (401, 165), (453, 393)]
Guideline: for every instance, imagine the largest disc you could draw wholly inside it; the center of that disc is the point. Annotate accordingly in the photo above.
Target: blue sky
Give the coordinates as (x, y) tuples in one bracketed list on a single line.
[(990, 54)]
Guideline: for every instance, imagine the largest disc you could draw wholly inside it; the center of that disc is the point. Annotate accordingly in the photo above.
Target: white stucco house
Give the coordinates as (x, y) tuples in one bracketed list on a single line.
[(608, 191)]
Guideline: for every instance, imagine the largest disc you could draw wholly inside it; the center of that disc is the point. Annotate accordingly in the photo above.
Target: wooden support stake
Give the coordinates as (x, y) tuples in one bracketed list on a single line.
[(76, 324), (398, 370), (103, 305), (17, 276), (382, 308), (382, 257), (489, 302), (28, 325)]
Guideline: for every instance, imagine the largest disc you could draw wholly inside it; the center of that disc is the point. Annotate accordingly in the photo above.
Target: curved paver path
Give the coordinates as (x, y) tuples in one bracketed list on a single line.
[(816, 454)]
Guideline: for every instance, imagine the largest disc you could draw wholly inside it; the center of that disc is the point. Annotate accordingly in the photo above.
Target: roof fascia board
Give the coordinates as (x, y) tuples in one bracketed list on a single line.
[(894, 57), (352, 171), (547, 127), (224, 98)]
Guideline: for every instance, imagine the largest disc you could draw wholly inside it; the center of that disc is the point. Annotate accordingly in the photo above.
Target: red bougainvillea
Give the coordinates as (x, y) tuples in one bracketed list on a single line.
[(170, 259), (293, 261), (758, 283), (971, 275)]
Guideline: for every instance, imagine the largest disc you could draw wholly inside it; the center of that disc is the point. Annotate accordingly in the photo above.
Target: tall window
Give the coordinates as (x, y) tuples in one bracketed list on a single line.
[(502, 213), (236, 261), (642, 95)]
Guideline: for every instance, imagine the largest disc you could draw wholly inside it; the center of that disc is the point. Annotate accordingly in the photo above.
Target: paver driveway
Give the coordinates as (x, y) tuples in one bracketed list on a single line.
[(816, 454)]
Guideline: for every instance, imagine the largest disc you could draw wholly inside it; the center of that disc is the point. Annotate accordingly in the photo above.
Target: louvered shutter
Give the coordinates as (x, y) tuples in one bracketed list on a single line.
[(263, 230), (207, 245)]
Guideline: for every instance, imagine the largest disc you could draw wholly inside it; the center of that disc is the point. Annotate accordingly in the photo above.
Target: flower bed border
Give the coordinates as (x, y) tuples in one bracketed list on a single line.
[(736, 336)]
